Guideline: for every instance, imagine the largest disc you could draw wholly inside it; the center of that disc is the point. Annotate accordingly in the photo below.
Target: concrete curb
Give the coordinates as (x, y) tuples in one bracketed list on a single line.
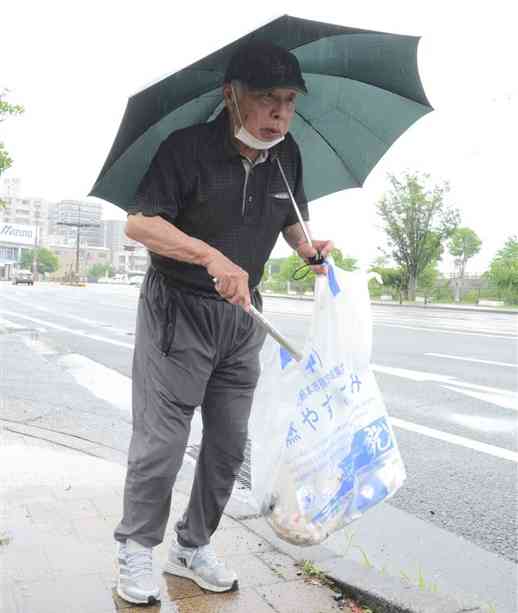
[(387, 594), (381, 592)]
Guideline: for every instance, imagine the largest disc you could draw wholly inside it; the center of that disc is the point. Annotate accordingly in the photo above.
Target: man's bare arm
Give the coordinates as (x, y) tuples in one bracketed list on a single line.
[(294, 235), (165, 239), (296, 239)]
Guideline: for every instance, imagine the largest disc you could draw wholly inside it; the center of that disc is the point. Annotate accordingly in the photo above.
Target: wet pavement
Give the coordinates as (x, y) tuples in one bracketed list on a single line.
[(57, 512), (58, 509)]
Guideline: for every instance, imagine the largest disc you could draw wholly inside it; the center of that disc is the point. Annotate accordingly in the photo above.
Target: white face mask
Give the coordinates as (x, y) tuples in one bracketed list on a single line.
[(249, 139)]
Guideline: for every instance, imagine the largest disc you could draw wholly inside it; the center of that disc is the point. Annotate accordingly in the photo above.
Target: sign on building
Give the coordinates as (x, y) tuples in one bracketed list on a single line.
[(17, 234)]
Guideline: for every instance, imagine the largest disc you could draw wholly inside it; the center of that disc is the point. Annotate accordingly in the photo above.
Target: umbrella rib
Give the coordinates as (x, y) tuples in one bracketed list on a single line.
[(369, 129), (383, 89), (331, 147)]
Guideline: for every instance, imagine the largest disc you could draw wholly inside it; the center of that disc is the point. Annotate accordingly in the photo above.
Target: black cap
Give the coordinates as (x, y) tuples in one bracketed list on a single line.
[(263, 65)]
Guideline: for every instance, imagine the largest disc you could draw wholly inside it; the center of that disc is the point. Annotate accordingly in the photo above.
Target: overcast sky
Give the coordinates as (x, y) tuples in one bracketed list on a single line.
[(73, 65)]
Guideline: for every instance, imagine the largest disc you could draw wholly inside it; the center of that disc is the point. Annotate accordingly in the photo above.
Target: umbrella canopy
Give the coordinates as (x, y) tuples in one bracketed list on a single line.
[(364, 92)]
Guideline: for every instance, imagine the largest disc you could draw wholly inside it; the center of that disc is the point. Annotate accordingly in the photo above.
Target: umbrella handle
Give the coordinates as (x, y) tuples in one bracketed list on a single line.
[(315, 260), (294, 203)]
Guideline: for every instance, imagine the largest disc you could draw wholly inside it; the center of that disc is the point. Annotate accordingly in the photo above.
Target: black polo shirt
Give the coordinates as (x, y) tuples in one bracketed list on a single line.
[(198, 182)]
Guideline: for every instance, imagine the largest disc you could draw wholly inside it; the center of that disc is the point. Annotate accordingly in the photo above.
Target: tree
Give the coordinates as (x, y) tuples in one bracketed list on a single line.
[(503, 270), (416, 221), (100, 270), (7, 110), (395, 278), (306, 283), (463, 245), (292, 267), (46, 260), (343, 261), (427, 280)]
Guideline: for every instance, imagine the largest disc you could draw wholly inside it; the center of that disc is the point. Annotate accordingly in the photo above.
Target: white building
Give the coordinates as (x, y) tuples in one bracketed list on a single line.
[(131, 260), (14, 238), (26, 212), (76, 212), (12, 187), (126, 255), (88, 257)]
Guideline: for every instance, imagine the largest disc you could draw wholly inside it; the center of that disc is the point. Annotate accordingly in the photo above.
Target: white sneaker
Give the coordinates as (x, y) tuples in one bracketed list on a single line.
[(135, 583), (201, 565)]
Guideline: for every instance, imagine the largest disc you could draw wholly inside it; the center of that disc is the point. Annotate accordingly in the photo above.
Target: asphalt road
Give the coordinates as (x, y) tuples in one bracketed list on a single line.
[(449, 379)]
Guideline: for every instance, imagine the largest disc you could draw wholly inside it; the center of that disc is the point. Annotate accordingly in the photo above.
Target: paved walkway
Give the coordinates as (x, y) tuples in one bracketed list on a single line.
[(58, 509)]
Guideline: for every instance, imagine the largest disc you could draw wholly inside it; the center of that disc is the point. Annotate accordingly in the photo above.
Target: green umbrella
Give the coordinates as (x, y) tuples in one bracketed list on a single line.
[(364, 92)]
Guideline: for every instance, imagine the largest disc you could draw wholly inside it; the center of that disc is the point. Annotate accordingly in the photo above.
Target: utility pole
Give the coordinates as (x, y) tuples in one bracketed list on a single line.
[(35, 255), (78, 225), (127, 265)]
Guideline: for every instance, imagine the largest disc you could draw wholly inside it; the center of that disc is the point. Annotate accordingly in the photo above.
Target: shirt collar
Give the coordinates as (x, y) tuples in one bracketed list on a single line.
[(262, 157)]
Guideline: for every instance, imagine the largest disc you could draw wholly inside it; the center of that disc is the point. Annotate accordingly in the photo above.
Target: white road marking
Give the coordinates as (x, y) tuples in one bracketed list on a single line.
[(408, 374), (84, 320), (464, 359), (111, 386), (115, 388), (48, 324), (500, 425), (502, 397), (439, 329), (497, 452), (382, 323), (501, 400), (471, 323), (10, 324), (444, 331), (105, 383)]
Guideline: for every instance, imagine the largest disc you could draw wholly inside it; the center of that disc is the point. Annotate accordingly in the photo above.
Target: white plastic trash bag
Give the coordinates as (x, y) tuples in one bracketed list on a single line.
[(323, 450)]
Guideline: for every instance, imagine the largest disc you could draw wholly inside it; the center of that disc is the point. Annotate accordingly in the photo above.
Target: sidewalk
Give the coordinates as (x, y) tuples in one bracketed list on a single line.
[(58, 509)]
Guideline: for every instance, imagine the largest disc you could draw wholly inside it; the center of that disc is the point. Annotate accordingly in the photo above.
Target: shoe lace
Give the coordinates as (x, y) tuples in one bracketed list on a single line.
[(140, 562)]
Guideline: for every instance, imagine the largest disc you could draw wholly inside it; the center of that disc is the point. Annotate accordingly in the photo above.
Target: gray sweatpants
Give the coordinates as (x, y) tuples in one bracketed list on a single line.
[(190, 350)]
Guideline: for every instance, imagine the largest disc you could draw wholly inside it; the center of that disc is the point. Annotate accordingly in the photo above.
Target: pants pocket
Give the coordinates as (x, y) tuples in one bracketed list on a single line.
[(168, 327)]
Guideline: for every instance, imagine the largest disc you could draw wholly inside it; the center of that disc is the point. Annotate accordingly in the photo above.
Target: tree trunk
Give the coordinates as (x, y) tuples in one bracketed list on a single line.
[(459, 282), (457, 290), (412, 286)]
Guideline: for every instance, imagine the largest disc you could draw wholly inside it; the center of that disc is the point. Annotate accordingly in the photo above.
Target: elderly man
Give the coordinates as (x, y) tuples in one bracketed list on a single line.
[(209, 210)]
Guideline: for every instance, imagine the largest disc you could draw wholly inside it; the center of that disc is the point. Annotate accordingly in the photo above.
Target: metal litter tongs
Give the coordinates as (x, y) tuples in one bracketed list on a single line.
[(257, 315)]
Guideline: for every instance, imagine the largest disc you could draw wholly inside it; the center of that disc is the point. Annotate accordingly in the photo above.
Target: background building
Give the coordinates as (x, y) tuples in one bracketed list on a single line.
[(26, 212), (126, 255), (13, 239), (24, 224), (88, 256), (131, 260), (76, 211), (12, 187)]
